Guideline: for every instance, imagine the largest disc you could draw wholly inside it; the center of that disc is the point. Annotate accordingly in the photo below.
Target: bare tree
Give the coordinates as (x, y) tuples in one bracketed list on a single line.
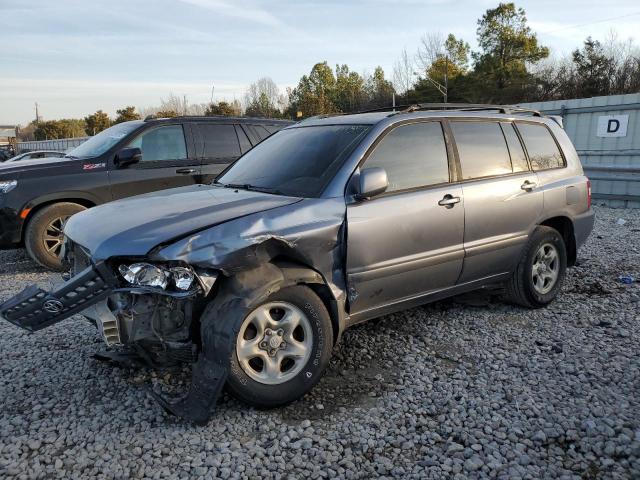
[(403, 73), (263, 98), (430, 49)]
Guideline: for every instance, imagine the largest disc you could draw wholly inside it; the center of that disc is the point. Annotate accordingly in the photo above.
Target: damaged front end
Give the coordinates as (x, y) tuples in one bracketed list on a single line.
[(178, 297), (150, 310)]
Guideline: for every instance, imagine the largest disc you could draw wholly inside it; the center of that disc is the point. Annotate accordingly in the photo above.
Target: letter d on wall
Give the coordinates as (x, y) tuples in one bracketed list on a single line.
[(612, 125)]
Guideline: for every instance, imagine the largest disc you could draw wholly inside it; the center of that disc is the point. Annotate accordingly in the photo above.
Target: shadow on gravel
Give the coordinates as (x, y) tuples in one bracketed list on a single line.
[(340, 390)]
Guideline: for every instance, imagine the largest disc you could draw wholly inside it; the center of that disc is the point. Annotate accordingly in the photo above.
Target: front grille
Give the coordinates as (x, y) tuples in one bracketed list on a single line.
[(34, 309)]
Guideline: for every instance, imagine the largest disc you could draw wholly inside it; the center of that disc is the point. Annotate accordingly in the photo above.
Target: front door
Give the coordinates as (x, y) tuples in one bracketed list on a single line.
[(407, 242), (166, 163)]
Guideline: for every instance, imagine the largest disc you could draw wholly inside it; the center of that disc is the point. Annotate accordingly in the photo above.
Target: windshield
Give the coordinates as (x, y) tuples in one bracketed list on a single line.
[(100, 143), (297, 162)]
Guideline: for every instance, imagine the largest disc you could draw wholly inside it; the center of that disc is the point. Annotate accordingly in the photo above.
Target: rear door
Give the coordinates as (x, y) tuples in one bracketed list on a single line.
[(407, 242), (217, 146), (501, 198), (167, 161)]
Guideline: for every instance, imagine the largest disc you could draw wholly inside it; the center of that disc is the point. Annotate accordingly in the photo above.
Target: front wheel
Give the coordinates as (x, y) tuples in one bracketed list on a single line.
[(282, 348), (44, 233), (538, 277)]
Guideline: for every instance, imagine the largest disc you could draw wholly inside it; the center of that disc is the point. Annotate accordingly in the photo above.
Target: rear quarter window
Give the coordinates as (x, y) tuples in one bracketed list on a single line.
[(542, 148)]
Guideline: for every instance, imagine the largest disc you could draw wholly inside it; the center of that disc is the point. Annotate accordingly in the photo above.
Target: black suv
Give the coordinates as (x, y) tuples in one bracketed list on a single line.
[(38, 196)]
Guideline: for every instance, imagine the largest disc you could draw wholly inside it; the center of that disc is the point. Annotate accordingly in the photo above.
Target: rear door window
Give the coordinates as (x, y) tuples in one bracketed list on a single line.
[(413, 155), (541, 147), (219, 142), (482, 149), (518, 158)]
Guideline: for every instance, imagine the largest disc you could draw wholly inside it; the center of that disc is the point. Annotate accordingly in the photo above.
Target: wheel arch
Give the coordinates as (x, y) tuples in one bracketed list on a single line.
[(563, 225), (298, 273), (281, 272), (32, 210)]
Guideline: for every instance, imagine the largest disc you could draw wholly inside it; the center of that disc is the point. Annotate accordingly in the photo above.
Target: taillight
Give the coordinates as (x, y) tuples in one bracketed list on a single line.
[(588, 193)]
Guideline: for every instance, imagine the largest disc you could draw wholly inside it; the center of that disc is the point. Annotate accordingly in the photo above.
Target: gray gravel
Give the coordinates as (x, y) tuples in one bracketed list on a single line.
[(445, 391)]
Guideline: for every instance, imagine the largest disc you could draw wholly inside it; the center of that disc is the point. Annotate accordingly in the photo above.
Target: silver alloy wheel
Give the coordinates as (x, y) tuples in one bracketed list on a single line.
[(546, 267), (53, 236), (274, 343)]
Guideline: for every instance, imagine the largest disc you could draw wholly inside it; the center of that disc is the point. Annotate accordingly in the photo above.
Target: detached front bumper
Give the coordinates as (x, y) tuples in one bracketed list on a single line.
[(34, 309)]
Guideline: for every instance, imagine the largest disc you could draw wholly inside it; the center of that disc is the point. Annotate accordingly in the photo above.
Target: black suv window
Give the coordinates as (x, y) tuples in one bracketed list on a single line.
[(245, 144), (162, 143), (220, 142), (518, 158), (541, 147), (413, 155), (257, 133), (481, 148)]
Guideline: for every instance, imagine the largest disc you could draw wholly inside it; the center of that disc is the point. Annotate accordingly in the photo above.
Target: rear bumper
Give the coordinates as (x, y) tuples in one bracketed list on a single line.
[(582, 226), (34, 309)]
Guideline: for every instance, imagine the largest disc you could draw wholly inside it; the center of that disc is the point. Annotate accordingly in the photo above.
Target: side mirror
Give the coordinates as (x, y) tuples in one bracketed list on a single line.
[(128, 156), (373, 181)]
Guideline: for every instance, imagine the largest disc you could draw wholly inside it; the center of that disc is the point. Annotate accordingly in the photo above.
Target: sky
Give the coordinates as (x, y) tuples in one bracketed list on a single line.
[(74, 57)]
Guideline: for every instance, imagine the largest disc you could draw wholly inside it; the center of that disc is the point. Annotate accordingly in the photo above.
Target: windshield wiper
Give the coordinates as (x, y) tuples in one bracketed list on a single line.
[(253, 188)]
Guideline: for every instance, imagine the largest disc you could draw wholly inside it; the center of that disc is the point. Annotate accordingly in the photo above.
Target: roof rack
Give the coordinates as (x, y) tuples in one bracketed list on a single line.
[(470, 107), (149, 118)]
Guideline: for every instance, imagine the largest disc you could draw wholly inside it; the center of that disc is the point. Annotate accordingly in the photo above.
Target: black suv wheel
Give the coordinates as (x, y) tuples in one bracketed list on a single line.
[(539, 275), (43, 237)]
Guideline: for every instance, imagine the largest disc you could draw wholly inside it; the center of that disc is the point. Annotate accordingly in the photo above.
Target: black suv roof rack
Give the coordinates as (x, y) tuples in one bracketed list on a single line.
[(150, 118)]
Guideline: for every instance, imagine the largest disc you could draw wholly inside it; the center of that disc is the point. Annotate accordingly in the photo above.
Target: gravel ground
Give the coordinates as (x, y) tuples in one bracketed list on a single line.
[(444, 391)]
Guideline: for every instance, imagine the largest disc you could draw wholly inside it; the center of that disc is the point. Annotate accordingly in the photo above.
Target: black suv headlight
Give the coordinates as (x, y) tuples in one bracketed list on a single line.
[(7, 185), (147, 275)]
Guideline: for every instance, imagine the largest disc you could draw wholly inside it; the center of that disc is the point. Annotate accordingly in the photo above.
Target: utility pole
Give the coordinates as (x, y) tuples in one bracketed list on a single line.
[(37, 115), (213, 87), (446, 77)]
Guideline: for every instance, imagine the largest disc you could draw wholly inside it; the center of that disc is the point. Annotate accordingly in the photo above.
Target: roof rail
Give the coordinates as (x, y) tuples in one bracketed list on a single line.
[(467, 107), (149, 118)]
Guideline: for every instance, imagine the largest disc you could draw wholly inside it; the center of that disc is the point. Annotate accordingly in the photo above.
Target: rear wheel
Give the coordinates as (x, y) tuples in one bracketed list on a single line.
[(538, 277), (44, 233), (282, 348)]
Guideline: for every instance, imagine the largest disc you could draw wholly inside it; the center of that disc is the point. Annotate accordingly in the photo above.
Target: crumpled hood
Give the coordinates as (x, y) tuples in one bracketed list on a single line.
[(134, 226)]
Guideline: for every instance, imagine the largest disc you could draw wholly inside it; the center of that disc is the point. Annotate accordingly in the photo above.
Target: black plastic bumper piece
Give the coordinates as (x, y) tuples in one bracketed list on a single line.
[(34, 309)]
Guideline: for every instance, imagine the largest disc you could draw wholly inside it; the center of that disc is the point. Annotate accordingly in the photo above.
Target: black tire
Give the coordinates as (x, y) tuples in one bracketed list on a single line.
[(261, 395), (36, 238), (520, 288)]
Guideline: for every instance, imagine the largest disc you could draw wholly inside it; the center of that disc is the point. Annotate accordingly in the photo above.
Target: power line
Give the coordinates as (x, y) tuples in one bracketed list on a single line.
[(592, 23)]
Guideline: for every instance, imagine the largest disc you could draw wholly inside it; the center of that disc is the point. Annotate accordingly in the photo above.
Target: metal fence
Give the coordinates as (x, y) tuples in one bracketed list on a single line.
[(606, 134), (60, 145)]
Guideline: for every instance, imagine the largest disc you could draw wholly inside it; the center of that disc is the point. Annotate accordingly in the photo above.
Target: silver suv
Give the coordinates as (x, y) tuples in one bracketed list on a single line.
[(325, 224)]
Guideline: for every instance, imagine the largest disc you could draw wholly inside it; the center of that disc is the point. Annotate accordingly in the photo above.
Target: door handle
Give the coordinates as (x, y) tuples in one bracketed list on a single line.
[(186, 171), (449, 201), (528, 186)]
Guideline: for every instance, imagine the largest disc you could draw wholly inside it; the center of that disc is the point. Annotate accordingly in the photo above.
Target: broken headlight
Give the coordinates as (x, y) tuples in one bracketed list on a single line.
[(148, 275)]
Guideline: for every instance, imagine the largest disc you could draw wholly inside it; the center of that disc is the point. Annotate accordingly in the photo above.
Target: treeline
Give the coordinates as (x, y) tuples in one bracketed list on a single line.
[(72, 127), (510, 66)]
